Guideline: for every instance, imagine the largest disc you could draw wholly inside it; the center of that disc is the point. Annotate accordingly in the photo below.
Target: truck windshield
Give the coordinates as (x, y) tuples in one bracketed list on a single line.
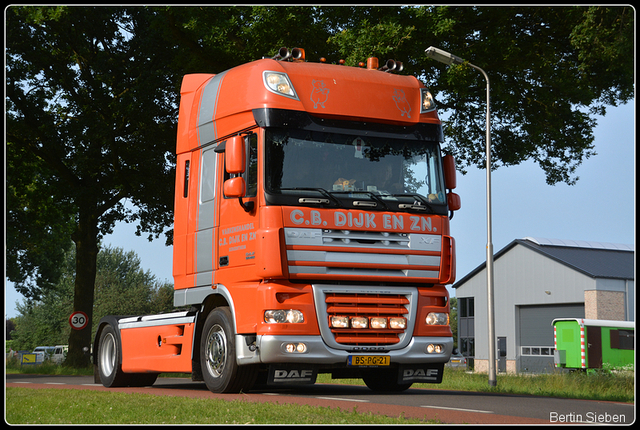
[(340, 169)]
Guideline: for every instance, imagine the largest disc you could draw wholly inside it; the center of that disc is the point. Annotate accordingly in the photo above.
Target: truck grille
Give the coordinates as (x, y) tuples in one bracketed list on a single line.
[(368, 306), (356, 255), (368, 301)]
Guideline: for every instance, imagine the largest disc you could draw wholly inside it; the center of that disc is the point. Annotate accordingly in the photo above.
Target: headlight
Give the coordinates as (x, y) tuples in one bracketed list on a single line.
[(339, 322), (299, 348), (378, 323), (437, 318), (279, 83), (435, 348), (359, 322), (283, 316), (398, 323), (428, 104)]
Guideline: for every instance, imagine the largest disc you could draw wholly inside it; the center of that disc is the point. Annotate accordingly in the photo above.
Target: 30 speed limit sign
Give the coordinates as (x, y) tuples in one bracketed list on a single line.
[(78, 320)]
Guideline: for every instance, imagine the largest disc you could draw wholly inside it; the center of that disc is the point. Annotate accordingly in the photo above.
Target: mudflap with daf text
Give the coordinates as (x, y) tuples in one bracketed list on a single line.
[(283, 374), (421, 373)]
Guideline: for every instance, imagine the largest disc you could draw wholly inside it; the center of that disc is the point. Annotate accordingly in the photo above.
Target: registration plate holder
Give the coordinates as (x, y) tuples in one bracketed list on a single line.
[(368, 360)]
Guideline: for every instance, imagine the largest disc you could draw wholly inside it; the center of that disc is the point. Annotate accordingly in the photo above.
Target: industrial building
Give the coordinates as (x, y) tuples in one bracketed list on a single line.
[(535, 281)]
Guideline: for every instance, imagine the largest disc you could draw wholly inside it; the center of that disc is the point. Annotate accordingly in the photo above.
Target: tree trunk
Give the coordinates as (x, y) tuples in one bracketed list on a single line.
[(86, 240)]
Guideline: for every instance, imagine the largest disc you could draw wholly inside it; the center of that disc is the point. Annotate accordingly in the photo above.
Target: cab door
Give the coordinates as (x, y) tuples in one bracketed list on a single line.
[(238, 213)]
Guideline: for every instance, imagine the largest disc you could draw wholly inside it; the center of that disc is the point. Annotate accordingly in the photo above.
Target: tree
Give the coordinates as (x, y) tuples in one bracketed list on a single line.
[(90, 124), (551, 69), (122, 287), (92, 102)]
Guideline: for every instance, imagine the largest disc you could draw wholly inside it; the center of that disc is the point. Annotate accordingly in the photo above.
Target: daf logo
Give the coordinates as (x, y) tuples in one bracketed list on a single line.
[(369, 348), (293, 374), (306, 234), (408, 373)]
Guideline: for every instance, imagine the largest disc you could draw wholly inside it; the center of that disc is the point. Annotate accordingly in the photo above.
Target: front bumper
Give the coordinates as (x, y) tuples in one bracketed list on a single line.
[(271, 349)]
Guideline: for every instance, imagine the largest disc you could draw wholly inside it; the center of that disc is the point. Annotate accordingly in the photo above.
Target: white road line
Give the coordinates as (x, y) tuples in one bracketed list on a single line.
[(458, 409), (21, 382), (55, 383), (343, 400)]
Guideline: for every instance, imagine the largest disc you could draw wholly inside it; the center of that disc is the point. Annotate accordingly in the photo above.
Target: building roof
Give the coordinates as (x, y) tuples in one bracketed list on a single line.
[(594, 259)]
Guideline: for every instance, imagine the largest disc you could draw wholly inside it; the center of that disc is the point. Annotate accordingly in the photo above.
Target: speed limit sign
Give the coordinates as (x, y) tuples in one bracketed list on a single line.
[(78, 320)]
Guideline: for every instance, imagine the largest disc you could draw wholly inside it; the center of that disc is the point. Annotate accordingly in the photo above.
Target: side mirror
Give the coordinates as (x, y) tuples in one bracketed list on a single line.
[(235, 155), (449, 164), (453, 201), (234, 187)]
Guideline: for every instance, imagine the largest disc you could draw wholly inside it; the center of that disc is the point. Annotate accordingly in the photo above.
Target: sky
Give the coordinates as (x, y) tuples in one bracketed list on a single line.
[(600, 207)]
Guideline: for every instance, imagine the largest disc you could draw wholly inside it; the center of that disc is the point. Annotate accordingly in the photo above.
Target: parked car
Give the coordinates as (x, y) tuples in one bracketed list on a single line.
[(457, 360), (55, 354)]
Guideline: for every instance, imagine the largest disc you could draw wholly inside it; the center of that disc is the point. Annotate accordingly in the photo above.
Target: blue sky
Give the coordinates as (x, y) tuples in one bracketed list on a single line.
[(600, 207)]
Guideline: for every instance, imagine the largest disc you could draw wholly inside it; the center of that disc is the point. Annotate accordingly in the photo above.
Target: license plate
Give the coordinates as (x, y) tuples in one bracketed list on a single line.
[(369, 360)]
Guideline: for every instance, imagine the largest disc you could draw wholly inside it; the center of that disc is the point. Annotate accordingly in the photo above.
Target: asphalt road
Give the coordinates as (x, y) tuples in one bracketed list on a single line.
[(446, 406)]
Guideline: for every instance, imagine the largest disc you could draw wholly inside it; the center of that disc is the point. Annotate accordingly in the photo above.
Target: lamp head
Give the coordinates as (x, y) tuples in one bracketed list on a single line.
[(443, 56)]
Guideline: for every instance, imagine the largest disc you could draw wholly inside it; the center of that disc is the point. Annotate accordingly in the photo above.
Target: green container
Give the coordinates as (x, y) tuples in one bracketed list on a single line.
[(589, 344)]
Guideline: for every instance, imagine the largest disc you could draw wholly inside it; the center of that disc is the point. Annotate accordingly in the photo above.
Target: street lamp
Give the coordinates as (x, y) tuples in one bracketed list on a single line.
[(449, 59)]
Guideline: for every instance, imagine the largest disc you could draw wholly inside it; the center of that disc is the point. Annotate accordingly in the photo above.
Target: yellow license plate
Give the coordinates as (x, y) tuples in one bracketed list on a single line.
[(369, 360)]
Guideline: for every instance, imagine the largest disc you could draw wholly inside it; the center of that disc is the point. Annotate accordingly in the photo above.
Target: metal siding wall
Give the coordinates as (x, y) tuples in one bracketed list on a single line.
[(535, 322)]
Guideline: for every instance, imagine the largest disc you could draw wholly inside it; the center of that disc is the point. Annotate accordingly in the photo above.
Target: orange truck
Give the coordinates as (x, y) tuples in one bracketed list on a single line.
[(311, 233)]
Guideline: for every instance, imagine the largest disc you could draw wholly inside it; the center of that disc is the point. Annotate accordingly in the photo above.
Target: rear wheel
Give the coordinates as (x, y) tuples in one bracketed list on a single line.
[(109, 368), (220, 370), (111, 374)]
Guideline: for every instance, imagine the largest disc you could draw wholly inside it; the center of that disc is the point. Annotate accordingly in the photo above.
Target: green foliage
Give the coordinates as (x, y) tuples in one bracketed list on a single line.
[(122, 288), (92, 101), (604, 386), (50, 406)]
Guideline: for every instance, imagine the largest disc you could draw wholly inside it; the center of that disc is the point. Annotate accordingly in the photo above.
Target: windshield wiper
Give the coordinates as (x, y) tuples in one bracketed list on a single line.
[(311, 200), (419, 204), (373, 196)]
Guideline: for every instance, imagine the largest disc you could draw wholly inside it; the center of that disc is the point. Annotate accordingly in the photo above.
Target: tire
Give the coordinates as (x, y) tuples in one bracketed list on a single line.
[(384, 381), (109, 359), (220, 370), (109, 364)]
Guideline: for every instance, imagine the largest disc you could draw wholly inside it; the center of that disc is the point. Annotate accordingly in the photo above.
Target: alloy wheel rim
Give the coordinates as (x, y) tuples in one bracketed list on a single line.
[(216, 350)]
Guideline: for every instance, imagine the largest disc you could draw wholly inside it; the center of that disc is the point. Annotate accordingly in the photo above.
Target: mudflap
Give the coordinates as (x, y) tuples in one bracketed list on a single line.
[(430, 373), (282, 374)]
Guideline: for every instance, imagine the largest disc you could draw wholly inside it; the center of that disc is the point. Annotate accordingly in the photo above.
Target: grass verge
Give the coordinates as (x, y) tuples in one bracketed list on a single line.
[(605, 385), (53, 406), (594, 385)]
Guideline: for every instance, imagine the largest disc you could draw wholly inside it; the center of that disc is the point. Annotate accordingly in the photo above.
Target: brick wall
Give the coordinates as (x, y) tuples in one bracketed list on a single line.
[(604, 305)]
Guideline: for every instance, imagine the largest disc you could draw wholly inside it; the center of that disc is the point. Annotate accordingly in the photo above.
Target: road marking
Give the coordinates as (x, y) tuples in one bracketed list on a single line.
[(21, 382), (343, 400), (54, 383), (458, 409)]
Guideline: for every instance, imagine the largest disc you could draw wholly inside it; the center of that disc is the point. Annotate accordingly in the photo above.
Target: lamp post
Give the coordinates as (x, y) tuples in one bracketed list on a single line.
[(449, 59)]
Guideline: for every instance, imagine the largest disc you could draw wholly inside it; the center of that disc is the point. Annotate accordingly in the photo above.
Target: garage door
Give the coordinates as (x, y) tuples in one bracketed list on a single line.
[(536, 334)]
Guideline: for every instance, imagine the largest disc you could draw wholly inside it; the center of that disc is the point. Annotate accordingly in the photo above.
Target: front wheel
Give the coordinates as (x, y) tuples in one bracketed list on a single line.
[(220, 370)]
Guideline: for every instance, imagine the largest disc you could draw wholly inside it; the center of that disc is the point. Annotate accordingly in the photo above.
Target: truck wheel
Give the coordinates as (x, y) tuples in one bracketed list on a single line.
[(383, 381), (220, 370), (111, 374)]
